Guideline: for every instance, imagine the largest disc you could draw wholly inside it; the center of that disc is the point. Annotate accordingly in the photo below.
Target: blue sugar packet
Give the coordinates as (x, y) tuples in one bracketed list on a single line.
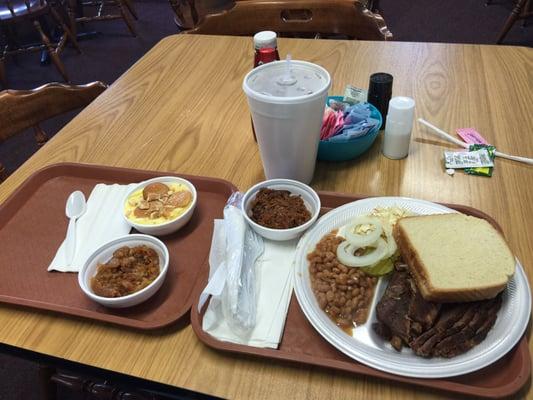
[(356, 113), (357, 123), (351, 132)]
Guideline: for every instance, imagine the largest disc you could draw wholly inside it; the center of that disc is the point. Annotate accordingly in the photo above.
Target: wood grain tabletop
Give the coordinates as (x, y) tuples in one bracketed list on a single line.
[(181, 109)]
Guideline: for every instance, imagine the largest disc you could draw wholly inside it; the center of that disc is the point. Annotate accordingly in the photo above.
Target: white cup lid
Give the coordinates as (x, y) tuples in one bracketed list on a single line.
[(273, 83)]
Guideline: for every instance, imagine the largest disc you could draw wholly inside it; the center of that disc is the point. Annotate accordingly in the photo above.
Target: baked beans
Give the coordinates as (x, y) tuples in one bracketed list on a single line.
[(128, 271), (345, 294)]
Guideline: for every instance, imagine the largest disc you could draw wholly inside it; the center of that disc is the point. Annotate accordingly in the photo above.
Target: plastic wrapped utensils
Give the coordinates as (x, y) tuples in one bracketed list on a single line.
[(234, 281)]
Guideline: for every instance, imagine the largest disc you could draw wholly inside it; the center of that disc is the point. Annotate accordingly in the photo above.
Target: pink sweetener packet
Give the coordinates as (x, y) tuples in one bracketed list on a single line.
[(471, 136)]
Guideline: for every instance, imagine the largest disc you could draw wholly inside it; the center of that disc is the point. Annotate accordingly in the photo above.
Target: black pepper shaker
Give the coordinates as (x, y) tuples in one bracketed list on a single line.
[(380, 92)]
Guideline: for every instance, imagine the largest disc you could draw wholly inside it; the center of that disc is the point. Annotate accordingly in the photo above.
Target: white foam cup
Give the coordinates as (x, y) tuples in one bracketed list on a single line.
[(287, 103)]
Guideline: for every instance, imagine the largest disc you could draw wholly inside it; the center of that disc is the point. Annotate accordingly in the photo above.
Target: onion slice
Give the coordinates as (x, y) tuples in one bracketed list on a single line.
[(365, 239), (391, 244), (346, 250)]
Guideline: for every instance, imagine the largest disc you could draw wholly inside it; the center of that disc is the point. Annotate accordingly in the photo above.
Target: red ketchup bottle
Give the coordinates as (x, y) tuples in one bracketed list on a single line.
[(266, 50)]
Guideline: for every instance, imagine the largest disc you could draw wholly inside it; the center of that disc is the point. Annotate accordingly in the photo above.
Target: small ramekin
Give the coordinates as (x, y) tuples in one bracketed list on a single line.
[(168, 227), (104, 253), (309, 197)]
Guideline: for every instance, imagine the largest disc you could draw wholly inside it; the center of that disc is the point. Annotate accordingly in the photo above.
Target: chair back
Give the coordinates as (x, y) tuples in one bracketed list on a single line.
[(22, 109), (10, 9), (183, 21), (324, 17)]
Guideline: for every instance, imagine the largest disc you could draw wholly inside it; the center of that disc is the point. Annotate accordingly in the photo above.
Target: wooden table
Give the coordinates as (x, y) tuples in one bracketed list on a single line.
[(181, 109)]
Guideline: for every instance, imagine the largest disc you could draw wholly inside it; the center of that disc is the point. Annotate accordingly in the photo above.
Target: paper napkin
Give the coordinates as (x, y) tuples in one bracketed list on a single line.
[(275, 275), (101, 223)]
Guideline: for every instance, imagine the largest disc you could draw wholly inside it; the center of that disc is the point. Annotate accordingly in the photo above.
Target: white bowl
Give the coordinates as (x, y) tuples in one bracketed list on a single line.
[(166, 227), (104, 253), (309, 196)]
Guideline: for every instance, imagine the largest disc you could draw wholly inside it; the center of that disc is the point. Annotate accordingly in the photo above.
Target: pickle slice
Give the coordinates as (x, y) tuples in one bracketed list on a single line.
[(381, 268)]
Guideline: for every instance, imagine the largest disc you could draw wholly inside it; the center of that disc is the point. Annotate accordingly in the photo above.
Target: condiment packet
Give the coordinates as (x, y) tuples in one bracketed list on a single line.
[(357, 123), (471, 136), (354, 95), (470, 159), (332, 123), (482, 171), (337, 105)]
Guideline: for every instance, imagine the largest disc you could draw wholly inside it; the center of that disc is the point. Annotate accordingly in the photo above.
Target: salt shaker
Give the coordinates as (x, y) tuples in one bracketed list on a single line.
[(399, 125)]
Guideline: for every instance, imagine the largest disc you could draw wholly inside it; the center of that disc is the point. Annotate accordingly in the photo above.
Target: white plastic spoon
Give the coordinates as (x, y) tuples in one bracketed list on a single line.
[(74, 209)]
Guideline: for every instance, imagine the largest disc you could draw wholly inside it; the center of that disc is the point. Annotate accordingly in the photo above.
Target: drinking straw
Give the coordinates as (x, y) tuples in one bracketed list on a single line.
[(450, 138), (288, 67), (287, 79)]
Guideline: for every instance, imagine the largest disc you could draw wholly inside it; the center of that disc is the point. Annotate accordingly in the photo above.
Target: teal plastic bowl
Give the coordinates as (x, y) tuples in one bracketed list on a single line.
[(344, 151)]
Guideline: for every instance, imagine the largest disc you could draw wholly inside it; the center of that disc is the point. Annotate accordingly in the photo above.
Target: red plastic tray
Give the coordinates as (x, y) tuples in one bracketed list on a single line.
[(303, 345), (33, 225)]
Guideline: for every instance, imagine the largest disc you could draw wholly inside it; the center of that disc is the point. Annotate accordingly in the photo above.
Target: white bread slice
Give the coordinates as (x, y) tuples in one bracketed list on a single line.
[(454, 257)]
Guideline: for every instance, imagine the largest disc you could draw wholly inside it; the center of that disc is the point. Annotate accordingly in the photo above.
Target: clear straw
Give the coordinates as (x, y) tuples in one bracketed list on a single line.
[(287, 78), (288, 67)]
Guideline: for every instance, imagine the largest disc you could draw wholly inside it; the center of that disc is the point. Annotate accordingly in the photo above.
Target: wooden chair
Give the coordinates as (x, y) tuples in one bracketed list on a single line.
[(76, 11), (182, 21), (373, 5), (87, 387), (348, 18), (94, 389), (13, 12), (521, 11), (22, 109)]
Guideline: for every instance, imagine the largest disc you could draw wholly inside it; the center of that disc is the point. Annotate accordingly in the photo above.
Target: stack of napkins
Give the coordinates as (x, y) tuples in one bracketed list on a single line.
[(101, 223), (274, 272)]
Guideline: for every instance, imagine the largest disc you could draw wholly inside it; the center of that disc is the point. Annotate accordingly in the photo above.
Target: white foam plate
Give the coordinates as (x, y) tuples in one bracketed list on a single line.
[(367, 347)]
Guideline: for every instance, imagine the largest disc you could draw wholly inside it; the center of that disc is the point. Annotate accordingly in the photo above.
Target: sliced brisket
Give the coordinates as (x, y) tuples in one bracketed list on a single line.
[(430, 329), (403, 311)]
